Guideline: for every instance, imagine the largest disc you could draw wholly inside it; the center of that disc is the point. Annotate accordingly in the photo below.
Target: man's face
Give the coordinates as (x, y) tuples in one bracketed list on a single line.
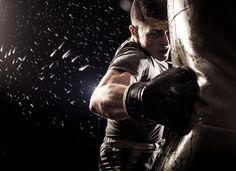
[(153, 37)]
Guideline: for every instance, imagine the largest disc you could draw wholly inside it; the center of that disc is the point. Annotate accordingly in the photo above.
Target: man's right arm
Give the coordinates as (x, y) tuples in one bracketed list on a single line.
[(107, 99), (168, 98)]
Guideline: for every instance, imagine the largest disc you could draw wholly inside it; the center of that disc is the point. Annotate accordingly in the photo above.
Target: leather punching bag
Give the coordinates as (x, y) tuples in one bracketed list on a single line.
[(202, 36)]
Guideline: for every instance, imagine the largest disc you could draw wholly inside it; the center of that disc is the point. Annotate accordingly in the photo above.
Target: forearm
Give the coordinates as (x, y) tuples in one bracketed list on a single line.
[(107, 101)]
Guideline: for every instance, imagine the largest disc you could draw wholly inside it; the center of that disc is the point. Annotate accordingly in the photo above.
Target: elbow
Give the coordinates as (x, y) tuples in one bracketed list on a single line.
[(97, 103), (98, 106), (93, 105), (93, 109), (104, 104)]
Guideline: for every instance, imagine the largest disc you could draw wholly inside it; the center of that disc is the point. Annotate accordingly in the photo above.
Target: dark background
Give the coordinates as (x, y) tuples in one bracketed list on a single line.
[(52, 55)]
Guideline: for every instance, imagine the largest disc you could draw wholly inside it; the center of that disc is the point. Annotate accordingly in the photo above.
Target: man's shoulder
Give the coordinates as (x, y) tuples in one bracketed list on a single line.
[(131, 48)]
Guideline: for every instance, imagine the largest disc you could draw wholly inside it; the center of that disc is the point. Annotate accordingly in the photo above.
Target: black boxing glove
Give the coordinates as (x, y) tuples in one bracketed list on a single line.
[(168, 98)]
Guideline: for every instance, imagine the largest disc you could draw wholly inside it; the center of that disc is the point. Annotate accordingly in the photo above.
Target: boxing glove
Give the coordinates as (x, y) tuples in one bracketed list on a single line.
[(168, 98)]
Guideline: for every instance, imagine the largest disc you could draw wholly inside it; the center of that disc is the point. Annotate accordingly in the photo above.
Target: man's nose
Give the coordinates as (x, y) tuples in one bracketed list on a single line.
[(165, 38)]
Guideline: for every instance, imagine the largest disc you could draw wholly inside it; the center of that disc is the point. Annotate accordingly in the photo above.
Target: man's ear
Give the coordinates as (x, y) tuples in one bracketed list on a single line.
[(134, 31)]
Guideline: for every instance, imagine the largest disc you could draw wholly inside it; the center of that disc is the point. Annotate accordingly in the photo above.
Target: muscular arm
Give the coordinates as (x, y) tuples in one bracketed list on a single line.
[(107, 99)]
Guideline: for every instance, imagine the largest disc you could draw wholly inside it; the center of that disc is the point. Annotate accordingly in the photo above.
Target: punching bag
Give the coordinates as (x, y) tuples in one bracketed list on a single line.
[(202, 36)]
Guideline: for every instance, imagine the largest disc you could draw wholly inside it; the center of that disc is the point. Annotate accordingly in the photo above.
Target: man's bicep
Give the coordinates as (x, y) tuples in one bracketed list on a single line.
[(117, 77)]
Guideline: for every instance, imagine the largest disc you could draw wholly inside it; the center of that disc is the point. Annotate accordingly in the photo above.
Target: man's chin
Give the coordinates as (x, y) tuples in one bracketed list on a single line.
[(162, 58)]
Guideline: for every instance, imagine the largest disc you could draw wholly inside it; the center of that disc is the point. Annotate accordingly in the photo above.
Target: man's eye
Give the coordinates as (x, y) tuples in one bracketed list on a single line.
[(156, 33)]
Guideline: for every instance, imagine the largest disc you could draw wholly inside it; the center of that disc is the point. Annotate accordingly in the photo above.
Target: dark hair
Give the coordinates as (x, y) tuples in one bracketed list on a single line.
[(141, 10)]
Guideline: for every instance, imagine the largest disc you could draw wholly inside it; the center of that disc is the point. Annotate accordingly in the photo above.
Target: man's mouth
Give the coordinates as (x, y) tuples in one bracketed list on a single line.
[(164, 51)]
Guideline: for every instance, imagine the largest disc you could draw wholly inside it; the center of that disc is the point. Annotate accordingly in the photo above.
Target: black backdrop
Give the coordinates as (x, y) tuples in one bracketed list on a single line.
[(52, 56)]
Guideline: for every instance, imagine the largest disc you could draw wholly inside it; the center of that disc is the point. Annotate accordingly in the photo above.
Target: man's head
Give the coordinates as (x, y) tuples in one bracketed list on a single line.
[(149, 27)]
